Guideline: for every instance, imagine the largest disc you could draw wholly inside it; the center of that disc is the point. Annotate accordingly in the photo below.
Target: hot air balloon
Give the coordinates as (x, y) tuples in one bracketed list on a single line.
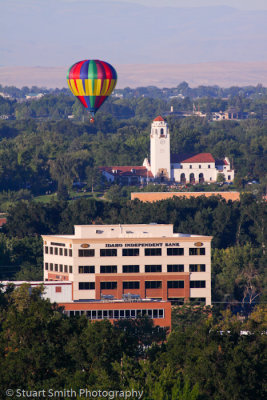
[(92, 81)]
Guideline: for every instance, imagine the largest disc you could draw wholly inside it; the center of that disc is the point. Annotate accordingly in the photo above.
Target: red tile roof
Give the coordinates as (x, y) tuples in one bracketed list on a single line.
[(2, 221), (159, 118), (192, 158)]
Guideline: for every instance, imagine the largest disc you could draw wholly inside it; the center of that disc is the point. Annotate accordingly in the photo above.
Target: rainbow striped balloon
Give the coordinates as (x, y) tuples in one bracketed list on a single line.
[(92, 81)]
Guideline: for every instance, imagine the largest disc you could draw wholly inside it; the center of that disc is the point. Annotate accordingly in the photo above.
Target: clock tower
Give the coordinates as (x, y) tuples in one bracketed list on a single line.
[(160, 149)]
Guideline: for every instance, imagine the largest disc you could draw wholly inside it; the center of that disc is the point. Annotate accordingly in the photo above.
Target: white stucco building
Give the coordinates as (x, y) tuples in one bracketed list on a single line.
[(165, 166)]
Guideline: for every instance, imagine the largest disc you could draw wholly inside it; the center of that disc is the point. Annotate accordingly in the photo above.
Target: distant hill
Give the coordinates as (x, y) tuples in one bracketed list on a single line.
[(161, 75)]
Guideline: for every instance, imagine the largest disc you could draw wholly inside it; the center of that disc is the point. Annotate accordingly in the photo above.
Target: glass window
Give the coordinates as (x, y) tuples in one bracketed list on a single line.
[(99, 314), (108, 269), (197, 267), (161, 313), (197, 251), (152, 252), (130, 252), (56, 267), (86, 269), (108, 285), (60, 267), (89, 314), (175, 251), (108, 252), (131, 285), (197, 284), (65, 252), (70, 253), (46, 249), (175, 268), (116, 314), (51, 250), (153, 284), (155, 313), (110, 314), (175, 284), (153, 268), (46, 266), (93, 314), (105, 313), (60, 251), (56, 251), (121, 313), (86, 285), (126, 269), (51, 267), (65, 268), (70, 269), (86, 252)]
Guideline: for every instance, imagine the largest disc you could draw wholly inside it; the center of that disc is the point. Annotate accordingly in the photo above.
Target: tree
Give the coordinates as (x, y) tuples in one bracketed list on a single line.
[(220, 178)]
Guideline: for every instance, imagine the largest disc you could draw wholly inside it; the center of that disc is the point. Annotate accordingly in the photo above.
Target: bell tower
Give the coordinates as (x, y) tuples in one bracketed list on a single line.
[(160, 149)]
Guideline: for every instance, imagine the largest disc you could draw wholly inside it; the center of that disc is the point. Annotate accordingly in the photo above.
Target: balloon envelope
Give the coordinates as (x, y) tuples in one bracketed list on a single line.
[(92, 81)]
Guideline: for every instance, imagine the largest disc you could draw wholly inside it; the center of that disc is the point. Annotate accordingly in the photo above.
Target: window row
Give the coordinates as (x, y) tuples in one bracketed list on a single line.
[(171, 251), (118, 314), (66, 269), (126, 269), (179, 284), (58, 251)]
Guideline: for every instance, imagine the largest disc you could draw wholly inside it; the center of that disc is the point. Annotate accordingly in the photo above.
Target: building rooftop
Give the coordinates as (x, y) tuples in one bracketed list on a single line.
[(136, 231)]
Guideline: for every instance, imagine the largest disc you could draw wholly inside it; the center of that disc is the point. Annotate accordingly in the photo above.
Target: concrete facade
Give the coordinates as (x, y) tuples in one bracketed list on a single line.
[(145, 260)]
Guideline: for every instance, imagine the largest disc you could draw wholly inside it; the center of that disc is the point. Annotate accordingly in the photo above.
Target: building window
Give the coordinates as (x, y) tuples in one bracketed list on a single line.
[(152, 252), (126, 269), (153, 284), (197, 267), (51, 267), (199, 166), (60, 268), (51, 250), (86, 253), (60, 251), (108, 285), (175, 251), (56, 267), (131, 285), (46, 266), (175, 284), (153, 268), (108, 269), (175, 268), (46, 249), (70, 253), (208, 166), (65, 268), (108, 252), (229, 177), (86, 285), (56, 251), (86, 269), (70, 269), (197, 251), (130, 252), (65, 252), (197, 284), (190, 166)]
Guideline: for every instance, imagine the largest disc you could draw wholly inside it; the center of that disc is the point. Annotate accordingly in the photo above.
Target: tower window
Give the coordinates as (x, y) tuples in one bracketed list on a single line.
[(161, 132), (190, 166)]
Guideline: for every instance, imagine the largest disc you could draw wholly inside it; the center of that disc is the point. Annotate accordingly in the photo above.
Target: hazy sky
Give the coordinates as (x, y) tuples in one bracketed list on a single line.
[(241, 4), (59, 32)]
